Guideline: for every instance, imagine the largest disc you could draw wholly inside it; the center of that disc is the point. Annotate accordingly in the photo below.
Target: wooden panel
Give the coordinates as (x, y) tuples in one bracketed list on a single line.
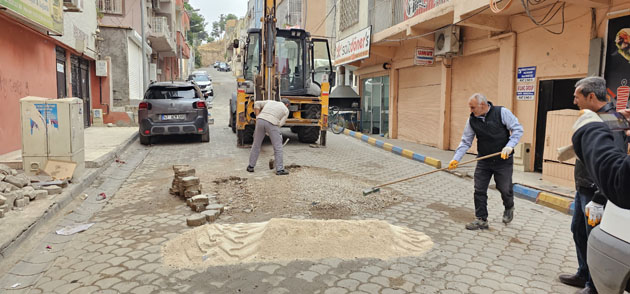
[(419, 104), (558, 173), (471, 74), (558, 132)]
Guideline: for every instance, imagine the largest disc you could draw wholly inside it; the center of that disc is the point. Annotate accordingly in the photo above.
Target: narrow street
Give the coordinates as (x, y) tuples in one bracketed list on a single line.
[(122, 251)]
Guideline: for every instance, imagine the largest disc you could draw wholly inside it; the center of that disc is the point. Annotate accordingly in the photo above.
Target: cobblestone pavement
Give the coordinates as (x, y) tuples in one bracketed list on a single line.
[(121, 252)]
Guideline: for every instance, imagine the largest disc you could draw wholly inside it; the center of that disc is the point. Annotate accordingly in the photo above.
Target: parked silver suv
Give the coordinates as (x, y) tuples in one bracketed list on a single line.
[(173, 108)]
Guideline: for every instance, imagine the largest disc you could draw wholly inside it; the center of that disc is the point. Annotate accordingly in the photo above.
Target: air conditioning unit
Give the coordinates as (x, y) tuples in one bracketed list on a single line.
[(447, 41), (73, 5)]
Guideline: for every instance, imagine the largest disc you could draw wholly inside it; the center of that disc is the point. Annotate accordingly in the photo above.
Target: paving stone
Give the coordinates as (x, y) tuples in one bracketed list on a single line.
[(20, 203), (52, 189), (125, 286), (196, 220), (218, 207), (3, 200), (349, 284), (211, 215), (336, 290), (370, 288), (307, 275), (107, 282), (360, 276)]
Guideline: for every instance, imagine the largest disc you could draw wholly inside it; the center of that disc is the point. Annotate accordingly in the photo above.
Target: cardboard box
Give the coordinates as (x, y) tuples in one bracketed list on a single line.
[(559, 173), (558, 132)]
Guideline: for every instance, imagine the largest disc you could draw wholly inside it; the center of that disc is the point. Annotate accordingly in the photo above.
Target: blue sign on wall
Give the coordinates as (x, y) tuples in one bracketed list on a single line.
[(526, 74)]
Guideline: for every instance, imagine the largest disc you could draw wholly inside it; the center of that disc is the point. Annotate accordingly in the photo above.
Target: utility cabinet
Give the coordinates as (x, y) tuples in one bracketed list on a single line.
[(52, 129)]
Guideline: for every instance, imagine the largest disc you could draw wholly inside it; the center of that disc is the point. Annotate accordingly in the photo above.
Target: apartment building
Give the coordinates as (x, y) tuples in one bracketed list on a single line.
[(49, 49), (417, 62), (166, 50)]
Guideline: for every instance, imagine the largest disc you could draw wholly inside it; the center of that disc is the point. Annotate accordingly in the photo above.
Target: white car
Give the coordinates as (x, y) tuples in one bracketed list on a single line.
[(204, 82), (608, 253)]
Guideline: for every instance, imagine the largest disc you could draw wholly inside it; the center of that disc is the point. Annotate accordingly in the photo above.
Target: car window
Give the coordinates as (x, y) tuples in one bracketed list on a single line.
[(171, 93), (200, 78)]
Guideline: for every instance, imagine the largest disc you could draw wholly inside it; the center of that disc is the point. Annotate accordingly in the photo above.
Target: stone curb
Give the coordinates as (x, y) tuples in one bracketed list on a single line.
[(63, 199), (394, 149), (557, 202), (107, 158)]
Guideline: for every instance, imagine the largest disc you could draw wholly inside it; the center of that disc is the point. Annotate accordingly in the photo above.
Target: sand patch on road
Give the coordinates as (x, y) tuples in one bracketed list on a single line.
[(283, 240)]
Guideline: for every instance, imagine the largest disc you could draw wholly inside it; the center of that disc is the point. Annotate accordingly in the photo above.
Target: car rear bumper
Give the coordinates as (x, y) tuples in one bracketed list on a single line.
[(608, 261), (198, 126)]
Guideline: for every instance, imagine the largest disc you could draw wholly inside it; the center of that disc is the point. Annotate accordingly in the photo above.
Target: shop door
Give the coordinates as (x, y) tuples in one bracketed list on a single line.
[(375, 110), (419, 104), (61, 72), (80, 85), (552, 95)]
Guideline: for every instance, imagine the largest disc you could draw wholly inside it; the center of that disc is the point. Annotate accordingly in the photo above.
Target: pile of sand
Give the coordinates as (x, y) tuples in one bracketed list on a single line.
[(281, 240)]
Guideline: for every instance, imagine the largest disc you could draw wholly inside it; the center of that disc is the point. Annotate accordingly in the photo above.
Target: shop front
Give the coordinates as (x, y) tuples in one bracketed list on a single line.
[(375, 105)]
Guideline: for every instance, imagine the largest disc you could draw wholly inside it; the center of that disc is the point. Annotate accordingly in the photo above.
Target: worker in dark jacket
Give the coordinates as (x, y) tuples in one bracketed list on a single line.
[(497, 130), (590, 93), (594, 143)]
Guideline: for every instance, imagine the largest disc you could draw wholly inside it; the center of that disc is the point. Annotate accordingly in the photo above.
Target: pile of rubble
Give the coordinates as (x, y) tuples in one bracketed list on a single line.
[(187, 185), (17, 189)]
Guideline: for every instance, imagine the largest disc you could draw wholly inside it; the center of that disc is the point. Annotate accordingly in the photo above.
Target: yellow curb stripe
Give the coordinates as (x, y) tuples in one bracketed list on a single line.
[(358, 135), (433, 162), (346, 131), (407, 153), (388, 146), (371, 141), (552, 201)]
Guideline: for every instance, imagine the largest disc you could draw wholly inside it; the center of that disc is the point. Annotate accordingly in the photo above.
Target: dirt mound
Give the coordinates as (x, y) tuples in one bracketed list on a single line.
[(307, 191), (282, 240)]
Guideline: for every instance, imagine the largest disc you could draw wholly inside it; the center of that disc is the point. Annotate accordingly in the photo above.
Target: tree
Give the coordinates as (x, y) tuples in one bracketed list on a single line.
[(218, 27), (197, 25), (210, 39)]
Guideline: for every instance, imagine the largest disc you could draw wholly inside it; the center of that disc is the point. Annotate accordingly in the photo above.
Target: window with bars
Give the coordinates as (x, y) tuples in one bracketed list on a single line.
[(110, 6), (349, 13)]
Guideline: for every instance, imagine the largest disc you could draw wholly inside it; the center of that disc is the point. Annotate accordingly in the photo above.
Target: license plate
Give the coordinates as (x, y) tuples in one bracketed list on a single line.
[(173, 116)]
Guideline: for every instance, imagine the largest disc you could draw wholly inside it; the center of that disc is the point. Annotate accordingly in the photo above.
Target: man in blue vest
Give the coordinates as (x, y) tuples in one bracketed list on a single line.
[(497, 130)]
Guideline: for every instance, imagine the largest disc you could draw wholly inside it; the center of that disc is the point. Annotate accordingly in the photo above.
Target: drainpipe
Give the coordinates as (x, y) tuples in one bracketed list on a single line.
[(145, 76)]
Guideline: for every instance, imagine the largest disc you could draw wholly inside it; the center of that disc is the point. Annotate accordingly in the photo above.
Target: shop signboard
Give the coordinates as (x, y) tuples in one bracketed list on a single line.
[(526, 83), (417, 7), (353, 48), (617, 70), (424, 56), (46, 14)]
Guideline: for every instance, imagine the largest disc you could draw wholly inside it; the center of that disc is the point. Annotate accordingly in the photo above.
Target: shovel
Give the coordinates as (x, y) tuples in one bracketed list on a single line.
[(272, 163), (378, 188)]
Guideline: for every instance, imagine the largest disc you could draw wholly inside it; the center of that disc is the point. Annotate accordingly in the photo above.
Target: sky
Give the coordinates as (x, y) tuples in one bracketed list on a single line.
[(211, 9)]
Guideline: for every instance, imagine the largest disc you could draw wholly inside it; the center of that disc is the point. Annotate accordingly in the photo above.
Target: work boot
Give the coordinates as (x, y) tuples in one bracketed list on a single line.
[(477, 224), (282, 172), (250, 169), (508, 215), (572, 280)]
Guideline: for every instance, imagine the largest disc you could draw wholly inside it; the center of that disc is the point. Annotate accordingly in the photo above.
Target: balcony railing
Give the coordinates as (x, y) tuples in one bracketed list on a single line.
[(159, 26), (110, 6)]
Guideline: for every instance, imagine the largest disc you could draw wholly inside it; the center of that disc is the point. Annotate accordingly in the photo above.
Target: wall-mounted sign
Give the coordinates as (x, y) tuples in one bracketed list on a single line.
[(417, 7), (47, 14), (60, 67), (101, 68), (354, 47), (617, 71), (424, 56), (526, 83)]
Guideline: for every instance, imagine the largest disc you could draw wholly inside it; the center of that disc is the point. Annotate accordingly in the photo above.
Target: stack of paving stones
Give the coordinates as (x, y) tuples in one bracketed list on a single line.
[(16, 190), (187, 185)]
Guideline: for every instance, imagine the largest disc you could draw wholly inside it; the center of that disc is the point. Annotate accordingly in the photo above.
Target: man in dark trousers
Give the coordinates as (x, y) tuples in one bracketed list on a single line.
[(497, 129), (590, 93), (609, 243)]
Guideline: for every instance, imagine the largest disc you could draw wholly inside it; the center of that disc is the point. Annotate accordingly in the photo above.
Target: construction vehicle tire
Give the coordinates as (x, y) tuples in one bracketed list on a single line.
[(245, 136), (233, 122), (308, 134), (295, 129)]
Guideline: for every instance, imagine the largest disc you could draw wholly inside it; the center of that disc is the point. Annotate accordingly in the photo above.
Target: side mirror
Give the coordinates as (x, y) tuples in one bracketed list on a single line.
[(235, 43)]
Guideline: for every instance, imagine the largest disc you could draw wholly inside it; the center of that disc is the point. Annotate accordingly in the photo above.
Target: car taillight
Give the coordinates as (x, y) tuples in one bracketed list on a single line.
[(146, 132), (144, 105), (199, 104)]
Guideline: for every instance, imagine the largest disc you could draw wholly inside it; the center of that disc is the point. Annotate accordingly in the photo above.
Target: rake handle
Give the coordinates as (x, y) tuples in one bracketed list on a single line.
[(437, 170)]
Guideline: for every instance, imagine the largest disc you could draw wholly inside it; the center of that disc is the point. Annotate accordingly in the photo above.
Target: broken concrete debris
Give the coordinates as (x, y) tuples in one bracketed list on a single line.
[(17, 190), (188, 186)]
